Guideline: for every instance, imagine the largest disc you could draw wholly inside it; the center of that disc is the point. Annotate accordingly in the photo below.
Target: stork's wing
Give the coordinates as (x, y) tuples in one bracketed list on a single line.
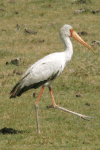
[(37, 75), (41, 73)]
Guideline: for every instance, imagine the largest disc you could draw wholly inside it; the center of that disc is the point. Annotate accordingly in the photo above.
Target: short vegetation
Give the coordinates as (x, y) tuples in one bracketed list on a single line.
[(29, 30)]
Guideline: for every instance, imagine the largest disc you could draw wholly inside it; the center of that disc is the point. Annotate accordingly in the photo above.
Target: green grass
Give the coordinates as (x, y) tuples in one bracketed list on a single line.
[(59, 130)]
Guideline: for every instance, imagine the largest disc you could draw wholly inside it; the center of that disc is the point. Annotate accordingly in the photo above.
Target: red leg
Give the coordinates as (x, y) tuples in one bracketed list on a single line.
[(61, 108), (53, 101), (40, 94)]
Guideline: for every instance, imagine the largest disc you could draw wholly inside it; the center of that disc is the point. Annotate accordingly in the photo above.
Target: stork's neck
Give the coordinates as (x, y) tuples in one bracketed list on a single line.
[(67, 44), (68, 47)]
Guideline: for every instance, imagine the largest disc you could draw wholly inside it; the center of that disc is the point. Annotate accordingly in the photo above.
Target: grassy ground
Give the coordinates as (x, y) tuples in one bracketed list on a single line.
[(59, 130)]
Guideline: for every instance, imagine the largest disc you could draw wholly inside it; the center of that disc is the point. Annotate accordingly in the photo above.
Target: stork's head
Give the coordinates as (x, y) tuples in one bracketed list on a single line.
[(67, 31)]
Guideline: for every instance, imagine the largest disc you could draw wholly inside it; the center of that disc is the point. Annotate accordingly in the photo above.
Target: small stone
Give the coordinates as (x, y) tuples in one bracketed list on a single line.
[(7, 63), (16, 12), (1, 9), (95, 42), (87, 104), (17, 72), (79, 11), (16, 61), (30, 31), (12, 1), (83, 33), (79, 94)]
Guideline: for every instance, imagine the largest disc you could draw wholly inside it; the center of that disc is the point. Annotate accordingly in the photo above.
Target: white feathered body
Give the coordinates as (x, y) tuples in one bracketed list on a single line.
[(49, 66), (45, 70)]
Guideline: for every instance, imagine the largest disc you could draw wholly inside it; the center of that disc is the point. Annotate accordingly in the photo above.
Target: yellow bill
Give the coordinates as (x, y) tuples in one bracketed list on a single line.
[(79, 39)]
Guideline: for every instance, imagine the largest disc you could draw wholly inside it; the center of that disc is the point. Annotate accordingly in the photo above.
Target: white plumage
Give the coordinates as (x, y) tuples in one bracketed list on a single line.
[(45, 70)]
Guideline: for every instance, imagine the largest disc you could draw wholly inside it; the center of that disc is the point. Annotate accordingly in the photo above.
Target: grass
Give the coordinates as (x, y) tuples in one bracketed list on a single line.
[(59, 130)]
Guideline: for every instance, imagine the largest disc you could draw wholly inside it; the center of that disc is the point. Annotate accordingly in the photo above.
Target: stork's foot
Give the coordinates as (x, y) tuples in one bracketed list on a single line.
[(86, 117), (64, 109)]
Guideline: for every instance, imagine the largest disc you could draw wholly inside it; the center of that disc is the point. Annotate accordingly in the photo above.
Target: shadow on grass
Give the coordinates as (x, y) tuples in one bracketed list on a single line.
[(9, 131)]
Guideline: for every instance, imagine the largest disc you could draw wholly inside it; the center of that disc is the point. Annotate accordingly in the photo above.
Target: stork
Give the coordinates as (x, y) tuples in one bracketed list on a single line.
[(46, 70)]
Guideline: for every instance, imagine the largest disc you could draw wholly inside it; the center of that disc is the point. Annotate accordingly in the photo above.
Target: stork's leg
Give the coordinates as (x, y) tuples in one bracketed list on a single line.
[(53, 101), (61, 108), (36, 108)]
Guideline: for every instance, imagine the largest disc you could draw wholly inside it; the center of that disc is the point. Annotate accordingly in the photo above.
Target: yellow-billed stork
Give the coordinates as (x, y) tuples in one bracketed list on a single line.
[(46, 70)]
